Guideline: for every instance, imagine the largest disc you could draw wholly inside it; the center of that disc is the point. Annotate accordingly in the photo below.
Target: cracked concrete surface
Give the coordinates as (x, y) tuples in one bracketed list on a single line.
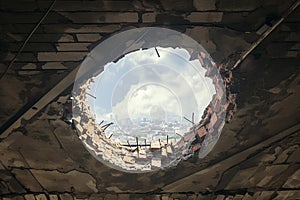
[(44, 159)]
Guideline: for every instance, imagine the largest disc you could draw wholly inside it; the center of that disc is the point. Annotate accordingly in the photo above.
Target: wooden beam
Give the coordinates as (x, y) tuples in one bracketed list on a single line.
[(188, 183)]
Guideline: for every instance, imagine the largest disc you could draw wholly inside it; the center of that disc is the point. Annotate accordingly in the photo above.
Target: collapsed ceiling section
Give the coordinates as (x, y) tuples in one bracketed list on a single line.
[(131, 114)]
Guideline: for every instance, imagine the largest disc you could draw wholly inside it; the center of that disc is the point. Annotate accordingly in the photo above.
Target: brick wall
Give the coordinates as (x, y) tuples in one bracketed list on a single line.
[(44, 149)]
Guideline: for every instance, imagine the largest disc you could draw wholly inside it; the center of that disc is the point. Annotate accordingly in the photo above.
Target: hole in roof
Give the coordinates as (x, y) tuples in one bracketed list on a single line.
[(150, 107)]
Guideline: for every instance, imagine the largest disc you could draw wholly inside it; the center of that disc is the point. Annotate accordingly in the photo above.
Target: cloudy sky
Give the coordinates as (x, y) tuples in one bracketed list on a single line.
[(141, 84)]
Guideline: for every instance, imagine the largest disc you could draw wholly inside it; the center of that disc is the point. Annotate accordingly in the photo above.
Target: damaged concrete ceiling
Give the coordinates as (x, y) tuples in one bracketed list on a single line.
[(43, 42)]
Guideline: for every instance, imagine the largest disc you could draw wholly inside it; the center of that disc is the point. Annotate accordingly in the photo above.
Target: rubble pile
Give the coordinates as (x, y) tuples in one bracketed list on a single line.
[(130, 158)]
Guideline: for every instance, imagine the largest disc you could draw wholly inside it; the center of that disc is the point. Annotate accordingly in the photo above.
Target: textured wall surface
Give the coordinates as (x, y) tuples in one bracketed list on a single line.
[(257, 156)]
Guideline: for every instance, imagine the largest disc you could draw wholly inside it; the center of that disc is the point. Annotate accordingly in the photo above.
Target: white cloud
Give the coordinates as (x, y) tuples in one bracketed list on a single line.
[(143, 100), (184, 88)]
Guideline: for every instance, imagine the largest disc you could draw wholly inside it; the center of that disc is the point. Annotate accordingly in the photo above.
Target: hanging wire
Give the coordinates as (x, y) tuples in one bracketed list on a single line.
[(27, 39)]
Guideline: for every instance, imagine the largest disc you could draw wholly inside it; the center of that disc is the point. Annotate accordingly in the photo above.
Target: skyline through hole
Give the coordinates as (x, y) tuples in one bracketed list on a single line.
[(147, 94)]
